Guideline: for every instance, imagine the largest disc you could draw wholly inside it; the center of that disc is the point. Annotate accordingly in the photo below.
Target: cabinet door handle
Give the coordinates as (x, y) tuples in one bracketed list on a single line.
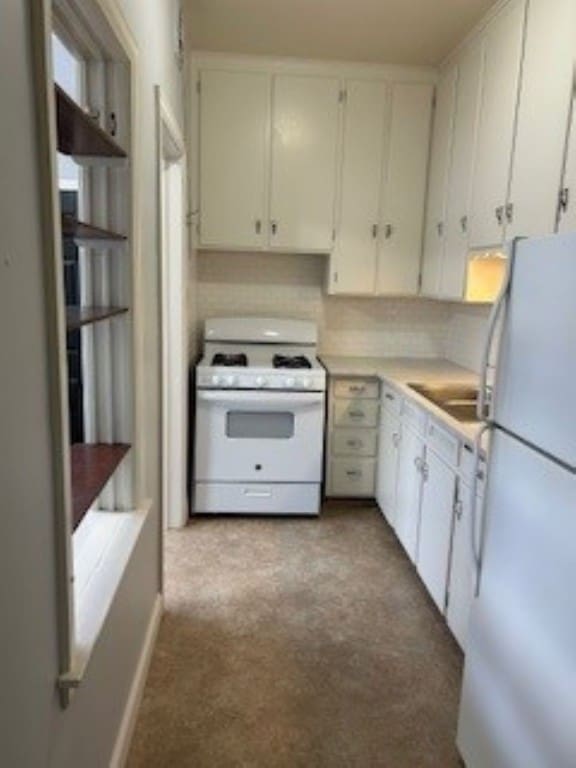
[(499, 212), (464, 224), (274, 227), (509, 212), (440, 228), (418, 463), (388, 231), (375, 229), (396, 439), (458, 509), (388, 396), (258, 226), (564, 199)]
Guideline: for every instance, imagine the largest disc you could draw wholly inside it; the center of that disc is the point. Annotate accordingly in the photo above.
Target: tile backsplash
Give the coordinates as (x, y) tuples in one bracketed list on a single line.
[(290, 285)]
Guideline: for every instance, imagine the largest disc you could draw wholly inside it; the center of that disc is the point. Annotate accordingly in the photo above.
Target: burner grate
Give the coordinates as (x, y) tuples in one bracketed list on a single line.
[(230, 360), (295, 361)]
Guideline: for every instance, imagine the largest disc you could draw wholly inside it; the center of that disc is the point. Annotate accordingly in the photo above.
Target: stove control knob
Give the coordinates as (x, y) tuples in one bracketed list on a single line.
[(290, 382), (230, 381), (216, 380), (261, 381)]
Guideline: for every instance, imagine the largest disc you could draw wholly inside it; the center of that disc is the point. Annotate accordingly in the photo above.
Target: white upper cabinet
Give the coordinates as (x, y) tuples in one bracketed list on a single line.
[(503, 52), (305, 119), (353, 266), (543, 114), (467, 109), (405, 189), (442, 137), (234, 124)]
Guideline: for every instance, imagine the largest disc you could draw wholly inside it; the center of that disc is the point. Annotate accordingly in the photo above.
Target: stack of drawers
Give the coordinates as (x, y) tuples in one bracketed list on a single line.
[(352, 445)]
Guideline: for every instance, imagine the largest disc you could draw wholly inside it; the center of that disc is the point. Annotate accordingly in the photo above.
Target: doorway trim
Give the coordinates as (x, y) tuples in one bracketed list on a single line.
[(172, 248)]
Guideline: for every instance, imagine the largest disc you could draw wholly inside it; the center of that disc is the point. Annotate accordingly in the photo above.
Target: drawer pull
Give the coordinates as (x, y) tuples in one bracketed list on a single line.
[(355, 473), (388, 396), (357, 414), (354, 443), (357, 388)]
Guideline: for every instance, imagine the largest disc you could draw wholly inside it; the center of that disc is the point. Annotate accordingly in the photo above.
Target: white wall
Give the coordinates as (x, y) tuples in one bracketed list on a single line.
[(292, 285), (34, 731)]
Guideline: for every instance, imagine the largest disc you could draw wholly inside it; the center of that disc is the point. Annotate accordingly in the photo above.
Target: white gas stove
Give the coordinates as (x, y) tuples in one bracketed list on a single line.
[(260, 402)]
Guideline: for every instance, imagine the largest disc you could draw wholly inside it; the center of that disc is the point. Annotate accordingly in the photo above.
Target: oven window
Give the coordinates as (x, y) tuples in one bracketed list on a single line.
[(270, 425)]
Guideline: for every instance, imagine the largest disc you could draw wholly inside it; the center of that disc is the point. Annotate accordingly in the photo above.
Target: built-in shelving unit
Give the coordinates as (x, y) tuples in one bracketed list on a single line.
[(79, 134), (92, 466), (83, 233), (76, 317)]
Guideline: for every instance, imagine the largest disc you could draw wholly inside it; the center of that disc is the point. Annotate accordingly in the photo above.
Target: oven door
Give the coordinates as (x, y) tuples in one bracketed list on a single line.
[(259, 436)]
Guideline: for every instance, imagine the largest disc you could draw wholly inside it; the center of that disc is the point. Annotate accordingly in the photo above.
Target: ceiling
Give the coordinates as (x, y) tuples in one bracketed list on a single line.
[(391, 31)]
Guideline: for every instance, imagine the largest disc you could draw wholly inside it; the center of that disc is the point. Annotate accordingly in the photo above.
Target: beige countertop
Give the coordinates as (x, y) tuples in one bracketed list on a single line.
[(400, 371)]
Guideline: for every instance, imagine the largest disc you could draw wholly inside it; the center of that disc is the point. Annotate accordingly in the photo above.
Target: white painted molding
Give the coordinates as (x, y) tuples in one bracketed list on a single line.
[(340, 69), (128, 723), (474, 33)]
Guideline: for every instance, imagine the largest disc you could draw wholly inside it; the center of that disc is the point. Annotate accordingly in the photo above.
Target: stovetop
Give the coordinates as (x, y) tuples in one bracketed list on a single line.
[(260, 366)]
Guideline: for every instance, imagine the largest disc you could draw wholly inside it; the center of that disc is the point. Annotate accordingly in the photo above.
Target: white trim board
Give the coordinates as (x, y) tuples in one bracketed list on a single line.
[(128, 723), (312, 67)]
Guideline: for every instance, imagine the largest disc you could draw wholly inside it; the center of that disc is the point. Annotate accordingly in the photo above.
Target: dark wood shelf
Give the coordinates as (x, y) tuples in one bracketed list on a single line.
[(80, 231), (92, 466), (78, 134), (76, 317)]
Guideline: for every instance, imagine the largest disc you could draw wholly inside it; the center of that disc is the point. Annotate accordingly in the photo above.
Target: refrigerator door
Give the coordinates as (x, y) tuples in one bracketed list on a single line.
[(518, 707), (536, 378)]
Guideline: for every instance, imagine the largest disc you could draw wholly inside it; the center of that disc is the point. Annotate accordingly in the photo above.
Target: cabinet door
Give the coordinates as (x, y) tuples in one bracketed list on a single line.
[(304, 143), (462, 583), (234, 125), (453, 274), (543, 115), (434, 235), (387, 470), (437, 511), (567, 212), (406, 164), (407, 520), (355, 251), (503, 50)]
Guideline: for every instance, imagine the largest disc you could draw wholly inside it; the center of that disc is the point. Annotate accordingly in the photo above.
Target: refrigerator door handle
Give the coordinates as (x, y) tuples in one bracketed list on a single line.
[(477, 511), (485, 393)]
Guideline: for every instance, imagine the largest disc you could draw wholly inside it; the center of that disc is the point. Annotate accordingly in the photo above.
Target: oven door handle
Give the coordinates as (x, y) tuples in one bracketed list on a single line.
[(261, 400)]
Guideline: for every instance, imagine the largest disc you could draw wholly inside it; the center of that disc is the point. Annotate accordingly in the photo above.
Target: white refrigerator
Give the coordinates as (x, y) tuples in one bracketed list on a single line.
[(518, 707)]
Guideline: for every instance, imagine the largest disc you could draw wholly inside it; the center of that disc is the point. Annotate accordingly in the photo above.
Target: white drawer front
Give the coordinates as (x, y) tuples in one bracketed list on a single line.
[(355, 413), (364, 389), (444, 443), (352, 477), (391, 399), (257, 498), (354, 442), (414, 416)]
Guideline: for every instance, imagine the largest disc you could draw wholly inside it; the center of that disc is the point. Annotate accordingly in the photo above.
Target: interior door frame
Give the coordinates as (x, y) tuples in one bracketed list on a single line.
[(172, 179)]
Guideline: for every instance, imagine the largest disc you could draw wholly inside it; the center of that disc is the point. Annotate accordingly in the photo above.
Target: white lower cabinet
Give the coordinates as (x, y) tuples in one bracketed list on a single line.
[(387, 468), (423, 487), (462, 581), (408, 491), (436, 514)]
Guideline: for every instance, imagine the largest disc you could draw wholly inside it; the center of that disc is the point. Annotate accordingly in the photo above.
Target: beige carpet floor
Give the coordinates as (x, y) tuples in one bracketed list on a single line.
[(289, 643)]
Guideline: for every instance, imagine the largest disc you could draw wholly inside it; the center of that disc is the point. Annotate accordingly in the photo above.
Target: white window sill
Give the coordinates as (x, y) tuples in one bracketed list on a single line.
[(102, 546)]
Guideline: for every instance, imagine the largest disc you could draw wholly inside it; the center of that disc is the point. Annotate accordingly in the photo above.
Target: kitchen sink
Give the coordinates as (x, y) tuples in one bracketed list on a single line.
[(457, 400)]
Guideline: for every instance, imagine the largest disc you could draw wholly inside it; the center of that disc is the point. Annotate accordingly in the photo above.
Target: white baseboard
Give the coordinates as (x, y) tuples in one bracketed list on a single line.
[(126, 730)]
